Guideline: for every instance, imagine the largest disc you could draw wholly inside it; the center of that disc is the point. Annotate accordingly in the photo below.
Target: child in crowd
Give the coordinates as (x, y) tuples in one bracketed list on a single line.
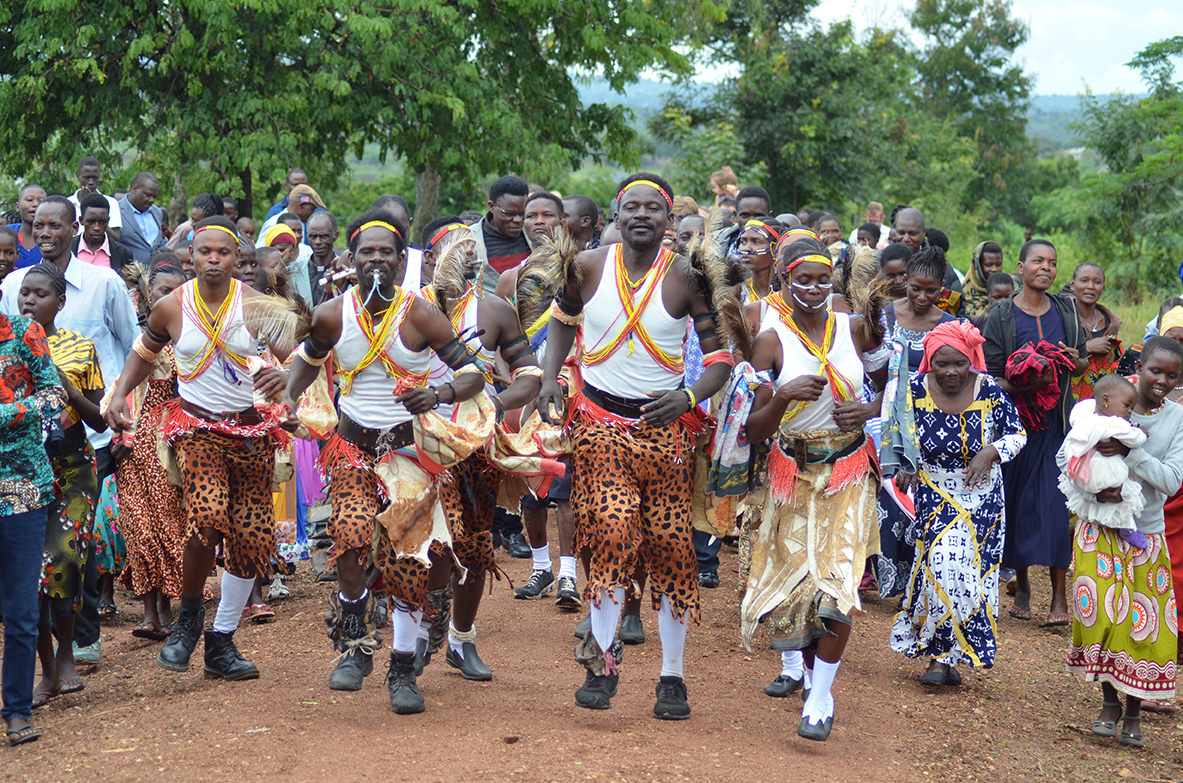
[(1000, 285), (10, 248), (1099, 488), (868, 235), (246, 228)]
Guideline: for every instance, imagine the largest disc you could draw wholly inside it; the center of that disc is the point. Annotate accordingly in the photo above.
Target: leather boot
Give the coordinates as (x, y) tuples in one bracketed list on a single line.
[(355, 640), (223, 660), (175, 653), (405, 698)]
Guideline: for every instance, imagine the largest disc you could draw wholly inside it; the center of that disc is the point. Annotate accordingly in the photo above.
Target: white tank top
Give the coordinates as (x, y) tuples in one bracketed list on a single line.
[(624, 375), (467, 327), (796, 360), (370, 401), (224, 386)]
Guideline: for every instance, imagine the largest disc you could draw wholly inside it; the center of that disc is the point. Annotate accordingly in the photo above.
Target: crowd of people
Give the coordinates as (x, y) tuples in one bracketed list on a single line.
[(854, 412)]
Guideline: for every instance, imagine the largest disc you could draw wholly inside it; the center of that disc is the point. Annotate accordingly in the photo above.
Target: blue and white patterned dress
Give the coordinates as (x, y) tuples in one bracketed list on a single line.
[(951, 602)]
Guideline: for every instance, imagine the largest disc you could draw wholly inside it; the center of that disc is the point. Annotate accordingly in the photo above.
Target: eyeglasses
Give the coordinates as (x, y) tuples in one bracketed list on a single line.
[(510, 215)]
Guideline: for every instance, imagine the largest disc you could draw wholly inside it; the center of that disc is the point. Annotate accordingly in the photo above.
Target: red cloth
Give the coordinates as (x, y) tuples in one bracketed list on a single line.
[(1025, 365), (1173, 516), (962, 336)]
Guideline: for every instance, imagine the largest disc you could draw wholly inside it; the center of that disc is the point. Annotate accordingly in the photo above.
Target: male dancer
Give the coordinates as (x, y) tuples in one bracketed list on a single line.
[(384, 336), (632, 430), (225, 447)]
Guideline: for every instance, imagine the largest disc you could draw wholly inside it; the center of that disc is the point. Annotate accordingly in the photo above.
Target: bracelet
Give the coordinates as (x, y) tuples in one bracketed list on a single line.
[(436, 392), (690, 397), (452, 389)]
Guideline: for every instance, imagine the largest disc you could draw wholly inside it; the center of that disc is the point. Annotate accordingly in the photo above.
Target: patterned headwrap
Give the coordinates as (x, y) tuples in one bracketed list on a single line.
[(1172, 319), (279, 234), (961, 336)]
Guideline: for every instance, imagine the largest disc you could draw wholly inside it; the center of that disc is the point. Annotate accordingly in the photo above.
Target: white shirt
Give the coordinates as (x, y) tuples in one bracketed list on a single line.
[(98, 306), (114, 220)]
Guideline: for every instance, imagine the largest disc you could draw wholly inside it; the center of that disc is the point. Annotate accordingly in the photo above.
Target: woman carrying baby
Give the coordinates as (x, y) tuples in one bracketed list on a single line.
[(1124, 631)]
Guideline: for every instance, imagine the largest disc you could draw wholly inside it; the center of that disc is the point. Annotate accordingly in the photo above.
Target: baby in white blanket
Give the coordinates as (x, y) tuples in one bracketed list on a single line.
[(1091, 480)]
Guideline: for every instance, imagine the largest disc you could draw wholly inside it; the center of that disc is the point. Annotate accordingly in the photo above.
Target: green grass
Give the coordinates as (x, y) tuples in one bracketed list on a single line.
[(1133, 319)]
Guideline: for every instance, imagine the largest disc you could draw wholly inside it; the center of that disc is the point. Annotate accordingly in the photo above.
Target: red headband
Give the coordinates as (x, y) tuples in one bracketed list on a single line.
[(961, 336)]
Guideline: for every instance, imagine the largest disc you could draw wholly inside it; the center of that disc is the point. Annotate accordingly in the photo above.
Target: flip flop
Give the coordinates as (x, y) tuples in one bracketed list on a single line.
[(20, 736), (149, 631), (41, 698), (1055, 620), (72, 685), (1020, 614), (261, 613), (1159, 707)]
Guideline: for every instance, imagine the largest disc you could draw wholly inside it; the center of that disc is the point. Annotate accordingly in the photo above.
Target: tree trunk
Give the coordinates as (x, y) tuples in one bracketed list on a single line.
[(178, 205), (427, 200), (246, 203)]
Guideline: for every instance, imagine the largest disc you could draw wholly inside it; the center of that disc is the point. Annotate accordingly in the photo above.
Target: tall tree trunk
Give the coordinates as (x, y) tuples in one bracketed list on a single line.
[(247, 202), (427, 200), (178, 205)]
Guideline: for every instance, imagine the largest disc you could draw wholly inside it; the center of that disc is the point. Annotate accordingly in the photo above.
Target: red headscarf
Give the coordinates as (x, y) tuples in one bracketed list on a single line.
[(962, 336)]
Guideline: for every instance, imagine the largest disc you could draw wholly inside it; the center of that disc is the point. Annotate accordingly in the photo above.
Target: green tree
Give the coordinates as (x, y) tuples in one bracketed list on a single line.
[(968, 74), (1130, 210)]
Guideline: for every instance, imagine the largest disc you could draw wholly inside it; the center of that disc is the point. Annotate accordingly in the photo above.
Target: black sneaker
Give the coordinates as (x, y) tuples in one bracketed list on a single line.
[(539, 584), (568, 597), (597, 692), (708, 578), (671, 699)]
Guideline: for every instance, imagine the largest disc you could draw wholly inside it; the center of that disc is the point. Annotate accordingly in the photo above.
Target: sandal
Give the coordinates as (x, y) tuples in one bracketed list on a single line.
[(1107, 728), (41, 698), (1056, 620), (1132, 738), (869, 583), (26, 733), (72, 685), (260, 613), (1020, 614), (107, 610), (1159, 707), (148, 630)]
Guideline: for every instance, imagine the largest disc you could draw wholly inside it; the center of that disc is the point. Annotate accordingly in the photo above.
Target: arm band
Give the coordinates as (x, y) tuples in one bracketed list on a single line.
[(562, 317), (706, 334), (568, 304), (715, 357), (302, 352), (710, 315), (516, 349), (156, 337), (456, 354), (525, 371), (143, 351), (318, 346)]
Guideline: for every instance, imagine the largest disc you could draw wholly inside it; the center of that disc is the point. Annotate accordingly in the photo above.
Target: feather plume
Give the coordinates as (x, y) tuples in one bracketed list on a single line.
[(448, 283), (719, 279), (866, 291), (135, 274), (280, 323), (542, 277)]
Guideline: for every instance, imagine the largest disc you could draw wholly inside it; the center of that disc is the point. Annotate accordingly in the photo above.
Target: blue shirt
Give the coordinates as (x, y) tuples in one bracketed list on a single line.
[(25, 256), (277, 209), (98, 306), (148, 224)]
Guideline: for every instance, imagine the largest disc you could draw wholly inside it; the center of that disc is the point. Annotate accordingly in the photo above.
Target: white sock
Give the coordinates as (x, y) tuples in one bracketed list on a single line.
[(673, 639), (236, 591), (405, 627), (424, 632), (566, 566), (792, 664), (605, 617), (365, 596), (806, 679), (456, 644), (541, 558), (820, 705)]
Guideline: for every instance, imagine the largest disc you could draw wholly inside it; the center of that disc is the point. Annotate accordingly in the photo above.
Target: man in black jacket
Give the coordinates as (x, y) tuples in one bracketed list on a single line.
[(94, 245)]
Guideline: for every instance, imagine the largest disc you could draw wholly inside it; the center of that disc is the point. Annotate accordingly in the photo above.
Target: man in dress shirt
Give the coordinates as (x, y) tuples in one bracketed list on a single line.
[(90, 174), (93, 246), (97, 306), (143, 220)]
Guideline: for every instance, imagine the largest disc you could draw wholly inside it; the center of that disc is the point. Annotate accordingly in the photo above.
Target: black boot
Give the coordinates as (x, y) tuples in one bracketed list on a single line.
[(405, 698), (175, 653), (222, 658), (353, 637)]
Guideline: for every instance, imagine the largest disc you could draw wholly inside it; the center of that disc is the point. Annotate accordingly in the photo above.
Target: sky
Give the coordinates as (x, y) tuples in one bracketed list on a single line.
[(1073, 43)]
